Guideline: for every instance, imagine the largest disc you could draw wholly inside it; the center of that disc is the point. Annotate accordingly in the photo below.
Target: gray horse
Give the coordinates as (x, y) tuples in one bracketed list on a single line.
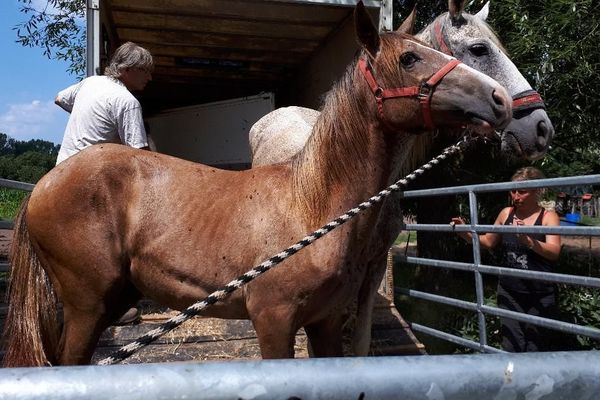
[(282, 133)]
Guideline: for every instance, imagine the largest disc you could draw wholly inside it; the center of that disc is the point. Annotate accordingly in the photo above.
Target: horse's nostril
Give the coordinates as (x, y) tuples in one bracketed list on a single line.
[(543, 132), (498, 99), (542, 129), (541, 143)]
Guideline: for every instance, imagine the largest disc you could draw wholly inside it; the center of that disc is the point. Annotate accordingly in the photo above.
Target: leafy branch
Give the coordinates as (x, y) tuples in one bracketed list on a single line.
[(58, 28)]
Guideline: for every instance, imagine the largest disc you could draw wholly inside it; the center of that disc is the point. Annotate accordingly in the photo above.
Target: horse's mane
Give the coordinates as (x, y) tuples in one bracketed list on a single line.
[(312, 172), (342, 134)]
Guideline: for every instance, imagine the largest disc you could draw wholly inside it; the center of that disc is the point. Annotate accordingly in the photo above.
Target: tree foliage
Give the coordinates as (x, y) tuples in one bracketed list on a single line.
[(26, 161), (58, 28), (554, 43)]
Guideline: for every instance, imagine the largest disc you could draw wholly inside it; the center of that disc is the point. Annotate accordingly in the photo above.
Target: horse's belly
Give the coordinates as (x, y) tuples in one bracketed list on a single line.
[(178, 291)]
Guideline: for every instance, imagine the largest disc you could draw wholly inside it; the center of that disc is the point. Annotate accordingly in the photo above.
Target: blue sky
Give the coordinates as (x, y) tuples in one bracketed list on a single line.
[(28, 84)]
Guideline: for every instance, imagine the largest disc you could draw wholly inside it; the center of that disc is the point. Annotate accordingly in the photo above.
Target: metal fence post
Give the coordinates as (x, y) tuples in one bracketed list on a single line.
[(477, 273)]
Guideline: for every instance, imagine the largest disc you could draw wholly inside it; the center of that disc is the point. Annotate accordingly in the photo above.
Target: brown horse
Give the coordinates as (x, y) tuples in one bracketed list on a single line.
[(112, 223)]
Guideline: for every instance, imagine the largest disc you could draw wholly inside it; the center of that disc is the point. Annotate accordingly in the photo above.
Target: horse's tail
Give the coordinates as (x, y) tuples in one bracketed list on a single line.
[(31, 328)]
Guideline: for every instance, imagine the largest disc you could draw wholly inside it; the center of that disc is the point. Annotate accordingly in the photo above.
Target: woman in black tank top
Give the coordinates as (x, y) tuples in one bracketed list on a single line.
[(537, 252)]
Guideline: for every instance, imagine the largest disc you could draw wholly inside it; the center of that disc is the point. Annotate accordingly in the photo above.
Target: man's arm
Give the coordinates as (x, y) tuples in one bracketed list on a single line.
[(65, 99), (68, 108)]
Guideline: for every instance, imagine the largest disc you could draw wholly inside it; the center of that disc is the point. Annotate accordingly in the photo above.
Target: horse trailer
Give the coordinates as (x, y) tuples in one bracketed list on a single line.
[(222, 57)]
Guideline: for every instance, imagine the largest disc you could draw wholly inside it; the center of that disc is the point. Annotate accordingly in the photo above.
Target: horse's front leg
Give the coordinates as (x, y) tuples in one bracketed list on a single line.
[(361, 337), (325, 337), (275, 331)]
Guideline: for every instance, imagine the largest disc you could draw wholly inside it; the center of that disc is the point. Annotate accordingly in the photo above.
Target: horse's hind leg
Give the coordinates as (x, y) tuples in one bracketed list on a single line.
[(325, 337), (81, 331), (85, 321), (361, 336)]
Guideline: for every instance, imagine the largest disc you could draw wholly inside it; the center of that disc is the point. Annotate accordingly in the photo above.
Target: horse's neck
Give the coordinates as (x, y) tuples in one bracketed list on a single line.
[(425, 36), (345, 160)]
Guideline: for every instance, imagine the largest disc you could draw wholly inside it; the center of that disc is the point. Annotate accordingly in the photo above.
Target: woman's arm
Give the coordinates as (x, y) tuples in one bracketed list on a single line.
[(550, 249)]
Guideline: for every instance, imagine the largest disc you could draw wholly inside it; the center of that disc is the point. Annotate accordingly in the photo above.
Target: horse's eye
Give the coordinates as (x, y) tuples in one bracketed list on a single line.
[(479, 50), (408, 59)]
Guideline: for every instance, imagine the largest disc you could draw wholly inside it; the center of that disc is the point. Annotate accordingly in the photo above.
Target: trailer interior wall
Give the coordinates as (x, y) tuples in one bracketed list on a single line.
[(328, 65), (214, 133)]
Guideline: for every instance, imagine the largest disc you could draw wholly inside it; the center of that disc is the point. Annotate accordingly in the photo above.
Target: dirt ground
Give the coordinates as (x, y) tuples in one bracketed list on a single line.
[(587, 244), (582, 241)]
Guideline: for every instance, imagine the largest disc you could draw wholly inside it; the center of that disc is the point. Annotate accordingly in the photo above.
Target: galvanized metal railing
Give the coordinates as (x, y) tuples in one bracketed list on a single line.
[(552, 376), (555, 376), (478, 268), (7, 183)]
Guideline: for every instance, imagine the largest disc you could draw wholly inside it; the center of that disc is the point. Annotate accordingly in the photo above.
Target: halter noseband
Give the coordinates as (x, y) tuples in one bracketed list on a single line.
[(423, 92), (523, 103)]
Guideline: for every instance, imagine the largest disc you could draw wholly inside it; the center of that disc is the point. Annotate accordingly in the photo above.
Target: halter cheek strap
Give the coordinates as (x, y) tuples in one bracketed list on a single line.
[(439, 38), (424, 92)]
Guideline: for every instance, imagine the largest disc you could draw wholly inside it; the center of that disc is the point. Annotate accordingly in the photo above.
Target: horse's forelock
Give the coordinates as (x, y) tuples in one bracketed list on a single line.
[(480, 24)]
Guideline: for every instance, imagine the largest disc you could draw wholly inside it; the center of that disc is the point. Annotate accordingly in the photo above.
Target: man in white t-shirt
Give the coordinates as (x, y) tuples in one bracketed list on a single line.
[(102, 108)]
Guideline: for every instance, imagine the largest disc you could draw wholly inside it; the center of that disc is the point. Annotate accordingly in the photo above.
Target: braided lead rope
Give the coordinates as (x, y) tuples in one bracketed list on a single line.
[(127, 350)]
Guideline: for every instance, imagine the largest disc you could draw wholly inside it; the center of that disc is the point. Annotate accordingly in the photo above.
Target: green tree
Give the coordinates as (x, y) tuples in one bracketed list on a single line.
[(26, 161), (554, 43), (58, 28)]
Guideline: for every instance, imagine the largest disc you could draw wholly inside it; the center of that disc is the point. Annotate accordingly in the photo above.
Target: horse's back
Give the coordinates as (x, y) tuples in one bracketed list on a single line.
[(158, 217), (282, 133), (101, 189)]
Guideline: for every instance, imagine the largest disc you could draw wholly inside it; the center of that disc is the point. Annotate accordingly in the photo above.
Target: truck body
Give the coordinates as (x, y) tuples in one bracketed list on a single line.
[(217, 62)]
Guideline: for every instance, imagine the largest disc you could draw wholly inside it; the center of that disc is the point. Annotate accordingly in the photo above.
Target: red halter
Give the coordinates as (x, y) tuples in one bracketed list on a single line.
[(526, 101), (424, 92), (439, 39)]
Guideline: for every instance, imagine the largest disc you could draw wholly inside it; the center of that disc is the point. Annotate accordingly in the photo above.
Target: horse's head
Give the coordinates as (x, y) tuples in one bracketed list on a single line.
[(414, 86), (469, 38)]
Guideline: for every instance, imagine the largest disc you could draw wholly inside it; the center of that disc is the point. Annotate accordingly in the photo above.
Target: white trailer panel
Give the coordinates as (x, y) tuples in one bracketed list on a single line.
[(212, 133)]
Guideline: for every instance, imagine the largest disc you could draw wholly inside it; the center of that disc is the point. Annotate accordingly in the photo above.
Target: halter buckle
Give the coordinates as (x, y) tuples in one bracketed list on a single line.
[(425, 91)]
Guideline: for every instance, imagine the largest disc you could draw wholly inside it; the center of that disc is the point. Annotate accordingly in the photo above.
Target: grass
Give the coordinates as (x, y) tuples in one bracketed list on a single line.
[(594, 221), (10, 200), (404, 237)]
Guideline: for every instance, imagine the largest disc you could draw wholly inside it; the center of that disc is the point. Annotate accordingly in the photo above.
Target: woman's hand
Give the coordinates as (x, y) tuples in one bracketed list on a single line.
[(459, 221), (523, 237)]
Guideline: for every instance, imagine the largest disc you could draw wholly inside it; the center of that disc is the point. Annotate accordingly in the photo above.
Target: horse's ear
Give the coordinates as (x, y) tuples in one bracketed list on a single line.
[(367, 33), (455, 9), (409, 23), (483, 13)]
